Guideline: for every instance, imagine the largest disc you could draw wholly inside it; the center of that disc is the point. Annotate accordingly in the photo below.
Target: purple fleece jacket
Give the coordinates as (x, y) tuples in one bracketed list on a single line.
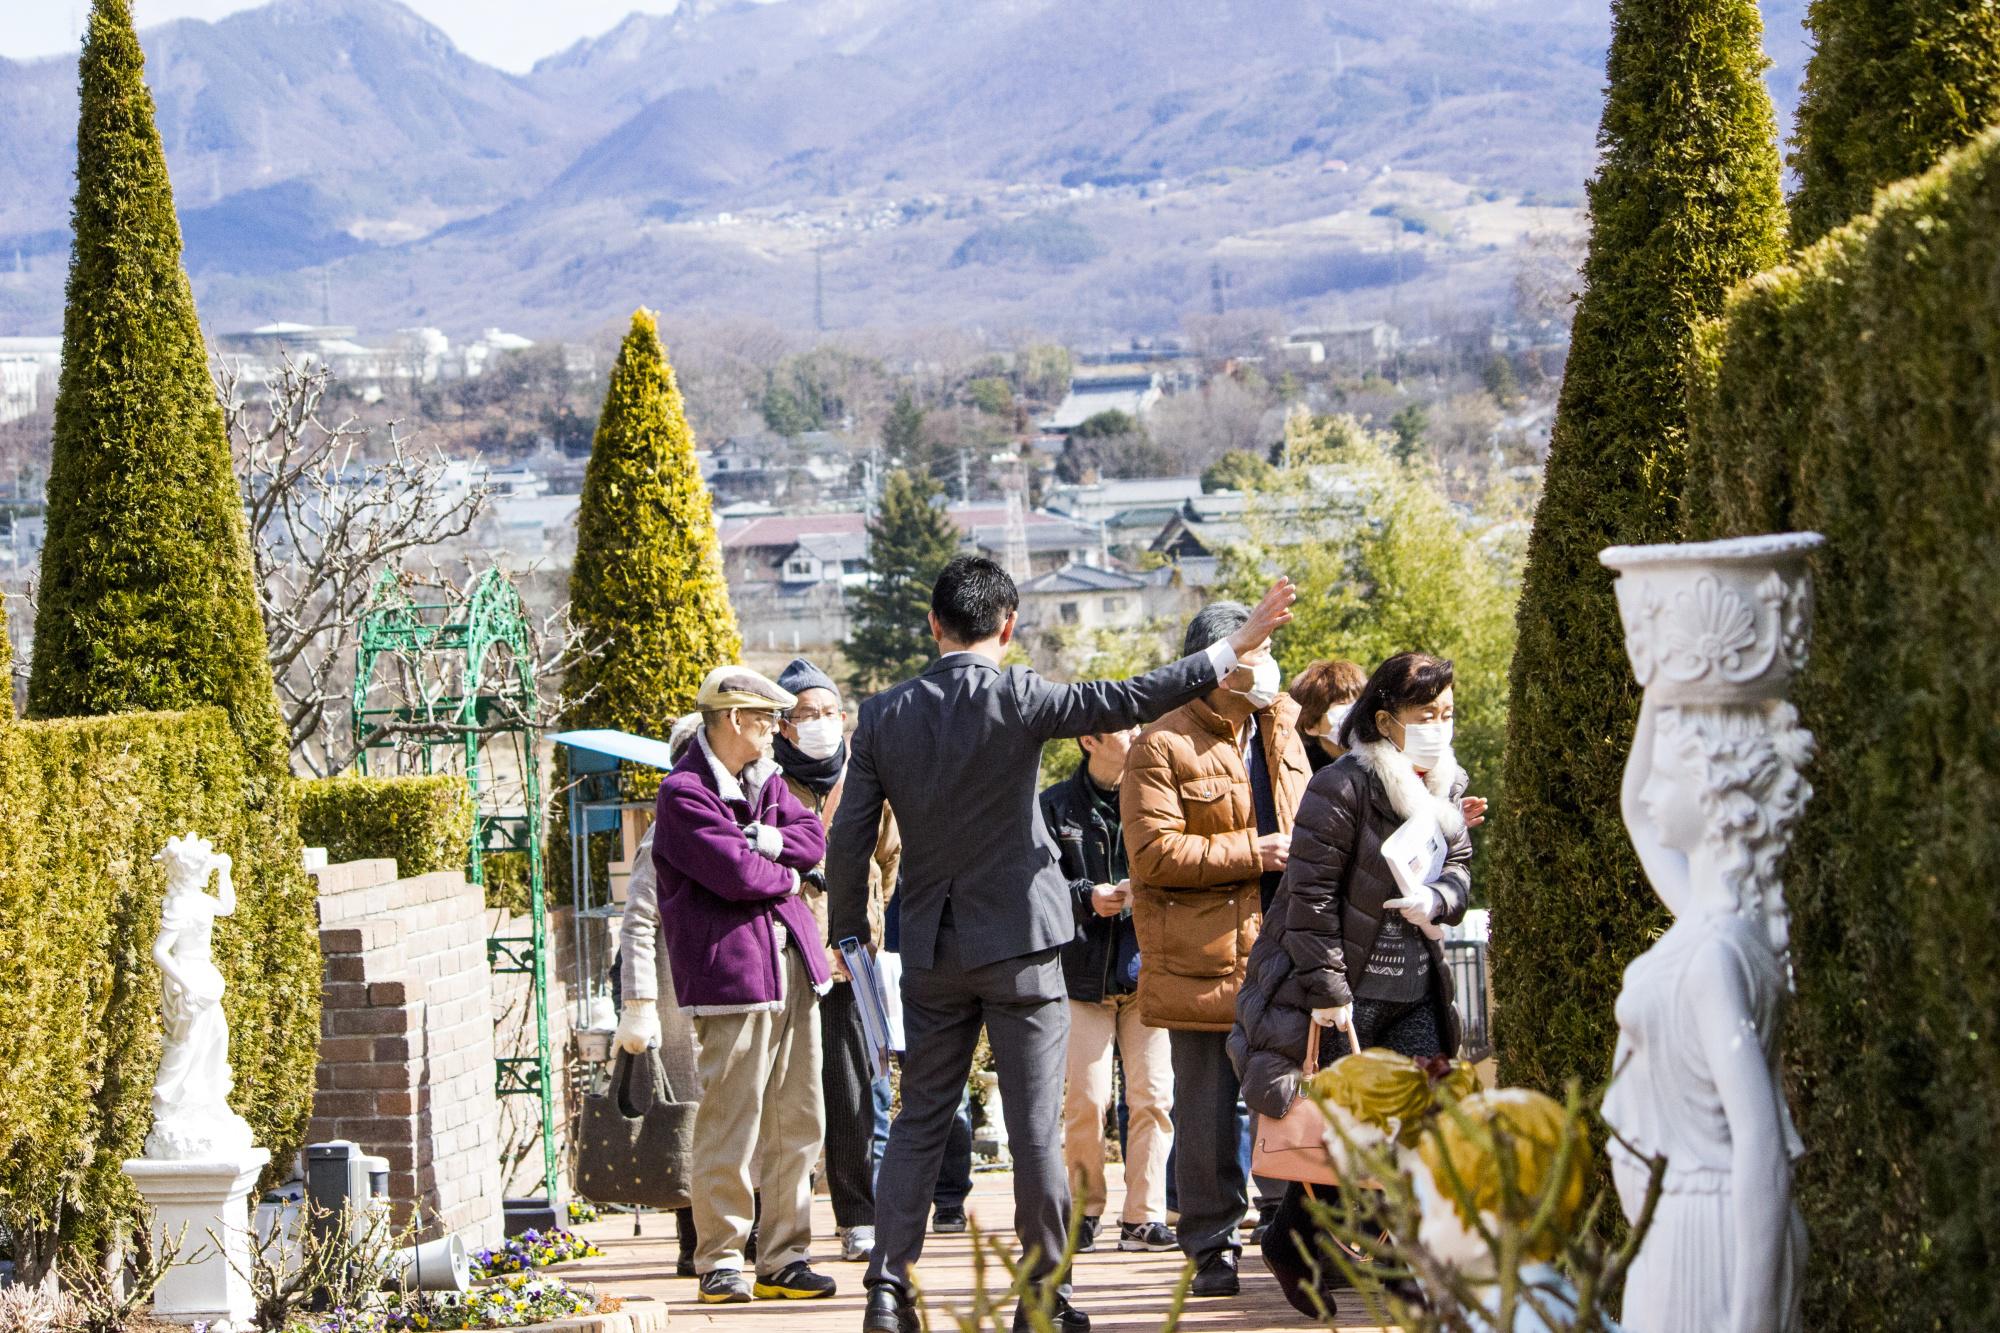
[(719, 897)]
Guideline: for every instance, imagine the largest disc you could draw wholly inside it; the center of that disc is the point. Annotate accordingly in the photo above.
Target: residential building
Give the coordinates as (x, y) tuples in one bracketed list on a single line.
[(28, 371), (1105, 391)]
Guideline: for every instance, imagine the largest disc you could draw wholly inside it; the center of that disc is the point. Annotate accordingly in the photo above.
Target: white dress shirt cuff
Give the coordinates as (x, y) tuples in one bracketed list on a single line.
[(1223, 657)]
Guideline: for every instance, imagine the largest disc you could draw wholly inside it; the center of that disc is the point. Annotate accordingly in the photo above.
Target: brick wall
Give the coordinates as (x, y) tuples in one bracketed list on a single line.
[(407, 1041)]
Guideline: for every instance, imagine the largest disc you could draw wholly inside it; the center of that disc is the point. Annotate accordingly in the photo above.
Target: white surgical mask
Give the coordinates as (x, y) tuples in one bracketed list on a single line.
[(1427, 743), (1334, 717), (1264, 684), (818, 738)]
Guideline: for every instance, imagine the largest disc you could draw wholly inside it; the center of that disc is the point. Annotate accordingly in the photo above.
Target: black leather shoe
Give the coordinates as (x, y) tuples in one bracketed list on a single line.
[(1216, 1276), (889, 1311), (1066, 1317), (948, 1221)]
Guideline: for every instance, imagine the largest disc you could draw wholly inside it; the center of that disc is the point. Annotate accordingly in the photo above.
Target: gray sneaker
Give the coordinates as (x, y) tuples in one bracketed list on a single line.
[(857, 1244)]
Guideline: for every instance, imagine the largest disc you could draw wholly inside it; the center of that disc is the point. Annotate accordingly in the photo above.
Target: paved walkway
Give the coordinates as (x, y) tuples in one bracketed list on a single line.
[(1123, 1293)]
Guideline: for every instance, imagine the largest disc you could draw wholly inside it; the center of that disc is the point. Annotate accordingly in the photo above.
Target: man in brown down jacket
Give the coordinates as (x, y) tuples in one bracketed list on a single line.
[(1208, 798)]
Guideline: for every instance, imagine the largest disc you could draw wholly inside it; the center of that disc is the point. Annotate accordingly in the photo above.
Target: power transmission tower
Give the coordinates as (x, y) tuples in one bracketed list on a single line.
[(819, 287)]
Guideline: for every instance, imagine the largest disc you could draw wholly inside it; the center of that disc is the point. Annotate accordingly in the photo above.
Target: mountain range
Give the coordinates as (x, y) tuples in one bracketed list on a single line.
[(1088, 167)]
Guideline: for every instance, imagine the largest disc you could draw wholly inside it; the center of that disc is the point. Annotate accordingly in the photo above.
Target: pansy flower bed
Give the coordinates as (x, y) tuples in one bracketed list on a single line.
[(531, 1250), (512, 1301)]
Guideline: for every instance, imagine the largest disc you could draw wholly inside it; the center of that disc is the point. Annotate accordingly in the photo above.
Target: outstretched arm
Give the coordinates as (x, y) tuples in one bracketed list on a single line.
[(1053, 712)]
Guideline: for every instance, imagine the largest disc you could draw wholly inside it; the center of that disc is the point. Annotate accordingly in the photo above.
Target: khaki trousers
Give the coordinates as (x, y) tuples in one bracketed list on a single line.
[(761, 1110), (1094, 1031)]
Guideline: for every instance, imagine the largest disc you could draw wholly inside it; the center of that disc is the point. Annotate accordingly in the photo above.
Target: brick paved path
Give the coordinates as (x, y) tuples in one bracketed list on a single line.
[(1123, 1293)]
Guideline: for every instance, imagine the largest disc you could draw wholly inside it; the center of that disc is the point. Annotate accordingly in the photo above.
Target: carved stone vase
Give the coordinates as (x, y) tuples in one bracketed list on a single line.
[(1713, 788)]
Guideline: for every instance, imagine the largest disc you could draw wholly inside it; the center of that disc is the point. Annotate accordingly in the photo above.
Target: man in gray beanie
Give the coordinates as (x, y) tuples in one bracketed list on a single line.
[(811, 750)]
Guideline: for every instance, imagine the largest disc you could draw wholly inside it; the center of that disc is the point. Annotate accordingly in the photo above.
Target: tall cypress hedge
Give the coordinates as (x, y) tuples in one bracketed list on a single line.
[(87, 803), (147, 598), (1892, 86), (1686, 203), (1857, 394), (647, 586)]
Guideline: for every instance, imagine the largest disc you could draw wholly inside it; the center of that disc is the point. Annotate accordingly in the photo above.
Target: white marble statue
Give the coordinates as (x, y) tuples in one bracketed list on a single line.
[(191, 1115), (1713, 788)]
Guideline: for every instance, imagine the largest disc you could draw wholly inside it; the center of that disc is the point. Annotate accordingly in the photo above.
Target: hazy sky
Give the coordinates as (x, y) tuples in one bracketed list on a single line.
[(512, 34)]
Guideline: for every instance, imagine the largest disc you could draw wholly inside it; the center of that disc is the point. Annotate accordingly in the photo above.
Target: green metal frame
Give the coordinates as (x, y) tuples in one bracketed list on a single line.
[(459, 723)]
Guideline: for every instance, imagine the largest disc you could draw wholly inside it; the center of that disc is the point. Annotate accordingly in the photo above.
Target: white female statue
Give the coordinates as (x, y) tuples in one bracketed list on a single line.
[(1712, 790), (191, 1115)]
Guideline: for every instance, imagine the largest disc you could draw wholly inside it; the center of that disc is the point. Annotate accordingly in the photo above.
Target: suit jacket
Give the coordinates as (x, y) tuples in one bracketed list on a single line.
[(957, 753)]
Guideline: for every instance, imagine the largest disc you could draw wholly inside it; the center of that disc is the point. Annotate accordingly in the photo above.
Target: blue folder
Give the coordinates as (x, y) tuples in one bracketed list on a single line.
[(870, 998)]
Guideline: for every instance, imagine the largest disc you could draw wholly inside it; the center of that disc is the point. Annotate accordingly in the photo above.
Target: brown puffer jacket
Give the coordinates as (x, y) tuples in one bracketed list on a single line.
[(1191, 841), (1326, 914)]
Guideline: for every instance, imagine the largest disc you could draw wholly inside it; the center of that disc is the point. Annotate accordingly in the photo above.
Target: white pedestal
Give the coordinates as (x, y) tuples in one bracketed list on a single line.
[(205, 1203)]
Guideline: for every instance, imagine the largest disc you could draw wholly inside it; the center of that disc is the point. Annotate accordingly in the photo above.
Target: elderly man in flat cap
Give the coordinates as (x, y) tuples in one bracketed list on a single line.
[(730, 846)]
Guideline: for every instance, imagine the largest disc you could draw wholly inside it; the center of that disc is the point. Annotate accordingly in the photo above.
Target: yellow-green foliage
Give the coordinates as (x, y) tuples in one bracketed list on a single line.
[(1685, 204), (1385, 566), (87, 802), (1892, 85), (647, 584), (422, 823), (147, 597), (1855, 394)]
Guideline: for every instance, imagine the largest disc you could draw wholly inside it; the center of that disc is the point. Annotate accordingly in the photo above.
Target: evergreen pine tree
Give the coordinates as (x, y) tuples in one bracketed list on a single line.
[(647, 584), (1685, 203), (1892, 85), (910, 541), (147, 595), (903, 439)]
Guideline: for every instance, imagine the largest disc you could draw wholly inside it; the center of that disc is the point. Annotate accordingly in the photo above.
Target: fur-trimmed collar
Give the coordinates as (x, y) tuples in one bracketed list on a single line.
[(1410, 794), (727, 784)]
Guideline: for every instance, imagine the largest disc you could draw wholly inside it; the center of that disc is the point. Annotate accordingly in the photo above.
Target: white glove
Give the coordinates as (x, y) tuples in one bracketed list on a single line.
[(1421, 909), (1337, 1016), (765, 840), (638, 1027)]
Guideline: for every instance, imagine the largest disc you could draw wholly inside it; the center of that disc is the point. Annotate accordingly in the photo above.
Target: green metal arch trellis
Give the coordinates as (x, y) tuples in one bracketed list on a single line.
[(460, 682)]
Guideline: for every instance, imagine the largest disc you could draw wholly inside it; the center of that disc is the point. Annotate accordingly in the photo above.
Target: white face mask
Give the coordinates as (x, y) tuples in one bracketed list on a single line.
[(1264, 684), (1427, 743), (1334, 717), (818, 738)]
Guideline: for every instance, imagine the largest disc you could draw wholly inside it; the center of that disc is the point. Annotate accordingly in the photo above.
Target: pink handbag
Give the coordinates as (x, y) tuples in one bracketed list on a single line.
[(1294, 1148)]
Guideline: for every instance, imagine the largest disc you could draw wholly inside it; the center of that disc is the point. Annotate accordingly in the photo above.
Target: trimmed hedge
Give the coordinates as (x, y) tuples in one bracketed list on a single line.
[(1892, 86), (423, 823), (147, 596), (87, 803), (1685, 205), (1857, 393)]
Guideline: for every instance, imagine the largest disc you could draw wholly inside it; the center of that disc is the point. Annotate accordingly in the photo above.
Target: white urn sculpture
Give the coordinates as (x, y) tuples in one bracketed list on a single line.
[(200, 1162), (1713, 788)]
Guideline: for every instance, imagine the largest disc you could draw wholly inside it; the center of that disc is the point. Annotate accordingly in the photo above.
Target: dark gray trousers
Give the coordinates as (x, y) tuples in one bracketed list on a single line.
[(1024, 1008), (845, 1077), (1208, 1161)]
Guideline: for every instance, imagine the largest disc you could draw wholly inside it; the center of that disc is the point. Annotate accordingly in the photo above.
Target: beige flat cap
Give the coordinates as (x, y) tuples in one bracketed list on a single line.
[(740, 687)]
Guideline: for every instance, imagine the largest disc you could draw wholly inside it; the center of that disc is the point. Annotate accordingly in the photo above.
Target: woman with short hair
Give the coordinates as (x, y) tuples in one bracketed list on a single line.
[(1325, 692)]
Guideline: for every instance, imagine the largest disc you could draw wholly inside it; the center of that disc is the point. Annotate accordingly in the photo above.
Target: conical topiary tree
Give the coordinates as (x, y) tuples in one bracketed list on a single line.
[(910, 541), (1685, 203), (1892, 85), (147, 597), (647, 588)]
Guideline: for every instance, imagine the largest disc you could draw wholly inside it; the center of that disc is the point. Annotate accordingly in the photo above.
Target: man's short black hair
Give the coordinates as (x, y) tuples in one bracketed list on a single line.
[(971, 599)]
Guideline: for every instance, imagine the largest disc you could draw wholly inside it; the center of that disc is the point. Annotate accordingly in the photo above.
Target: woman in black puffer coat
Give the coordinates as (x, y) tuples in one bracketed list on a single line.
[(1340, 942)]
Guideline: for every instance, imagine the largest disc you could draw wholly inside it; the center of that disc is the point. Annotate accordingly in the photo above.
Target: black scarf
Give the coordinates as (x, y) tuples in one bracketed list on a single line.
[(818, 774)]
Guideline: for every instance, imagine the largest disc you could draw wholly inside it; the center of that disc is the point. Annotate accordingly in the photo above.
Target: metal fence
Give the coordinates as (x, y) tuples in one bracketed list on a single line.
[(1467, 961)]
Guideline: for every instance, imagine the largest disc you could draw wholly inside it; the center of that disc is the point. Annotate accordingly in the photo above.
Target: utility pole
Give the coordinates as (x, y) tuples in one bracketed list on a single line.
[(819, 286), (964, 474)]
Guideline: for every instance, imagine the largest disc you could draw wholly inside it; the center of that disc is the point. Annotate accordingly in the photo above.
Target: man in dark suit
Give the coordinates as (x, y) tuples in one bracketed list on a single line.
[(985, 910)]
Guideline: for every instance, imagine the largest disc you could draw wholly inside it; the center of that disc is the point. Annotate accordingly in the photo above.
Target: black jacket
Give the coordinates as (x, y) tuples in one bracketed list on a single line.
[(1322, 926), (1103, 959)]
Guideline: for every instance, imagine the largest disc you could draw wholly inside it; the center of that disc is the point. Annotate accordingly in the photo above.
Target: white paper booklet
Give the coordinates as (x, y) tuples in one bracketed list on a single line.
[(1415, 853)]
